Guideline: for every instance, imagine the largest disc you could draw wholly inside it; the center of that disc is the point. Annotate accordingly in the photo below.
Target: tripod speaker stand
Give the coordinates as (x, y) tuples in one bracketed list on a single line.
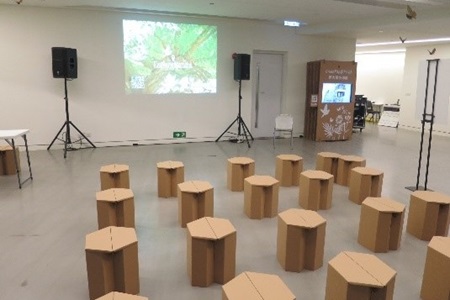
[(67, 139), (243, 131)]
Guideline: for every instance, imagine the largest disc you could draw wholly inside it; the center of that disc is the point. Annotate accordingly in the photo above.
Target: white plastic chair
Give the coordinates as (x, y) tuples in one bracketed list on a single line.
[(283, 123)]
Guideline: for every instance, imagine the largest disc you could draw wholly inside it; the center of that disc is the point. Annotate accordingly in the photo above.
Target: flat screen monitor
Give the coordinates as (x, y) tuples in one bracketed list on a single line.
[(336, 92)]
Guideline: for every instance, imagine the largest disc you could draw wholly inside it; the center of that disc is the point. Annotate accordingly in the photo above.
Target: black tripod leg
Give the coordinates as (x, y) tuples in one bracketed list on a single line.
[(248, 131), (82, 134), (56, 136), (232, 123)]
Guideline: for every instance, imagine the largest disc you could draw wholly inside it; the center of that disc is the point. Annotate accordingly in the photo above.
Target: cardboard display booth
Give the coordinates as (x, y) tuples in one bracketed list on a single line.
[(256, 286), (288, 168), (381, 224), (316, 190), (170, 174), (121, 296), (112, 261), (436, 275), (329, 105), (428, 214), (261, 197), (327, 162), (300, 240), (115, 207), (364, 182), (7, 163), (195, 201), (358, 276), (345, 164), (239, 168), (114, 176), (211, 251)]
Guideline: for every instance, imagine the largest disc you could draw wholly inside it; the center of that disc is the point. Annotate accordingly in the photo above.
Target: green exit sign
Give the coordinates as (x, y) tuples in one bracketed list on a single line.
[(179, 134)]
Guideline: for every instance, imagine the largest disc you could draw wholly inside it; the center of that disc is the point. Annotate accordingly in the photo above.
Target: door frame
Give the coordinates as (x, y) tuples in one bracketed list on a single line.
[(283, 85)]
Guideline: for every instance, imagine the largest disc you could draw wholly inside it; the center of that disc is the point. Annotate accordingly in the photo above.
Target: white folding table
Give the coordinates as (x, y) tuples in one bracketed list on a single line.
[(9, 136)]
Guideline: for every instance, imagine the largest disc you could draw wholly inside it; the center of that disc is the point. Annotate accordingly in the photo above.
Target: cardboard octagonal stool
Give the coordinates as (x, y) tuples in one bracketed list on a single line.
[(328, 162), (121, 296), (364, 182)]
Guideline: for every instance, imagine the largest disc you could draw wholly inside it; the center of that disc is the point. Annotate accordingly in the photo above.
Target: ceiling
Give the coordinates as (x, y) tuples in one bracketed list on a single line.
[(368, 21)]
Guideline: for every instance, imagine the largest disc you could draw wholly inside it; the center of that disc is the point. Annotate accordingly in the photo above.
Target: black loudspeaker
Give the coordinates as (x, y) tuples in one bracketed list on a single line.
[(242, 67), (64, 62)]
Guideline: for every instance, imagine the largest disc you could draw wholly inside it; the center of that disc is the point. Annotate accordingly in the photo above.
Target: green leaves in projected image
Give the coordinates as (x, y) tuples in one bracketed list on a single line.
[(165, 58)]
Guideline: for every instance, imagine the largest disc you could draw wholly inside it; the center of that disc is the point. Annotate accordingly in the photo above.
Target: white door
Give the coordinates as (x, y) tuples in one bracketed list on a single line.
[(267, 87)]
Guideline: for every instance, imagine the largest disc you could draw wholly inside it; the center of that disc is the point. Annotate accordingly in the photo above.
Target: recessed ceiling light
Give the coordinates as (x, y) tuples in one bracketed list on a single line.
[(446, 39), (292, 23)]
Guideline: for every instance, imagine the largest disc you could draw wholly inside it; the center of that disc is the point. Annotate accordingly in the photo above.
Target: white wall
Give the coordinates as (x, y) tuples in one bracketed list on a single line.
[(380, 76), (414, 56), (32, 98)]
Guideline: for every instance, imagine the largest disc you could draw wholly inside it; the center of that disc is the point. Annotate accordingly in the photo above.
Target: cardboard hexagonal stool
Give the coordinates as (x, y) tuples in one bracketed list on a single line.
[(195, 201), (170, 174), (381, 224), (328, 162), (316, 190), (261, 197), (239, 168), (112, 261), (211, 251), (359, 276), (428, 214), (288, 168), (114, 176), (364, 182), (115, 207), (300, 239), (345, 164)]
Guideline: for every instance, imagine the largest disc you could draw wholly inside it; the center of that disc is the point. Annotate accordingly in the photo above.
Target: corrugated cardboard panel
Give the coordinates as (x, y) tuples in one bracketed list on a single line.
[(122, 237), (99, 240), (202, 256), (261, 180), (430, 196), (126, 270), (225, 258), (295, 249), (384, 204), (436, 277), (282, 230), (314, 247), (362, 269), (121, 296), (302, 218), (221, 227), (271, 201), (201, 229), (240, 288), (270, 286), (100, 273), (253, 201)]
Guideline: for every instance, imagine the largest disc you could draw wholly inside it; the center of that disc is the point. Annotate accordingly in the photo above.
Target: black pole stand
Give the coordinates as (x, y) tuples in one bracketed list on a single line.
[(426, 118), (67, 140), (243, 131)]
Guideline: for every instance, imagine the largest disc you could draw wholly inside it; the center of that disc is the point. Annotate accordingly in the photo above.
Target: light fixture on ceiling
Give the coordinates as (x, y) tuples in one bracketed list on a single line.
[(388, 51), (290, 23), (421, 41)]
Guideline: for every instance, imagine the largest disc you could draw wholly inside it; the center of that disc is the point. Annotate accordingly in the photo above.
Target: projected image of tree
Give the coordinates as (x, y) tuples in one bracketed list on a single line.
[(162, 58)]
